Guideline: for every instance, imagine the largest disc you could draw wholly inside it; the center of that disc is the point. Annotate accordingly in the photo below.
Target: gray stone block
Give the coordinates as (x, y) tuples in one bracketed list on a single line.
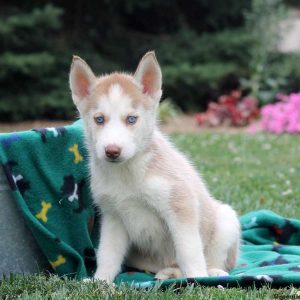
[(19, 252)]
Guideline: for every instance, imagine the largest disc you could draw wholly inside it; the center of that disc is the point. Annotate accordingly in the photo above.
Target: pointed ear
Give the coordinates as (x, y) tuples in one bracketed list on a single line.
[(148, 74), (81, 79)]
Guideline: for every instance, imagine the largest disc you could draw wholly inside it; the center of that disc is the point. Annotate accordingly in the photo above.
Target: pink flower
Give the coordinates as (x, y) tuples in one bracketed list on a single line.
[(229, 110), (283, 116)]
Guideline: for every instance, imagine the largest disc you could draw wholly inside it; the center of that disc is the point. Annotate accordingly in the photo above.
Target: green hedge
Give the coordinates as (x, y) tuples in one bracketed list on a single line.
[(204, 49), (191, 84)]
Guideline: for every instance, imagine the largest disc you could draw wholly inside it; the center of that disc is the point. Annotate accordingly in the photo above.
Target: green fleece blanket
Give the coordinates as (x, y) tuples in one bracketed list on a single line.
[(47, 172)]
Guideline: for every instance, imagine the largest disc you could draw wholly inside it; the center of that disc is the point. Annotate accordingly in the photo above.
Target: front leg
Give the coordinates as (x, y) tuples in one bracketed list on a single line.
[(180, 210), (112, 249), (188, 247)]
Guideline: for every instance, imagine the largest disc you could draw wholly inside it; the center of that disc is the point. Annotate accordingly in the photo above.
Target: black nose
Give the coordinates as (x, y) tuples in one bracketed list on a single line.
[(112, 151)]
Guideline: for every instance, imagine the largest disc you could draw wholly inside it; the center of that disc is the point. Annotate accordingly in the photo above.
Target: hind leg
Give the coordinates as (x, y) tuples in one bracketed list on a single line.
[(223, 248), (172, 272), (143, 263)]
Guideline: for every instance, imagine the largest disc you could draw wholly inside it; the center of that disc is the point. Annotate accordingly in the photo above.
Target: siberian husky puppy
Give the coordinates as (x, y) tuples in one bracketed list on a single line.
[(156, 212)]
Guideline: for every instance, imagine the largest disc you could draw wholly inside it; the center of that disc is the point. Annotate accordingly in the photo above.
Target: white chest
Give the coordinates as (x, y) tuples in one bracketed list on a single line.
[(139, 203)]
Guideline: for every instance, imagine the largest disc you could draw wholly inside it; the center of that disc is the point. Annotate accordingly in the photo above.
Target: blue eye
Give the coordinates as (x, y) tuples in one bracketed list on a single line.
[(99, 120), (131, 120)]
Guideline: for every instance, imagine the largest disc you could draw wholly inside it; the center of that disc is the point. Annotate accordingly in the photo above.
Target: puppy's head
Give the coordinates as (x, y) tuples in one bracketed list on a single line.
[(119, 110)]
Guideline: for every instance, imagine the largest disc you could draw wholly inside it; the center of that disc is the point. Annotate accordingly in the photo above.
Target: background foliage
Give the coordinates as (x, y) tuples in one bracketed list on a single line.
[(205, 48)]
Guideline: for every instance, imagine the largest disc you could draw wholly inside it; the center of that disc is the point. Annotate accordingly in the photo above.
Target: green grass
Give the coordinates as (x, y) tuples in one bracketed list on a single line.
[(249, 172), (42, 287)]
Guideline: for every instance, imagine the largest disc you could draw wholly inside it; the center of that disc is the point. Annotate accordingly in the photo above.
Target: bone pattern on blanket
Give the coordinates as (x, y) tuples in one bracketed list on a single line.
[(77, 156), (42, 215), (59, 261)]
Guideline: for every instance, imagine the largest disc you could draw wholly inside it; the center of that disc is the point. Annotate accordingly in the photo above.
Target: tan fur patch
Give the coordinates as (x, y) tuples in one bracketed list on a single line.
[(231, 260), (181, 205), (181, 196), (127, 84)]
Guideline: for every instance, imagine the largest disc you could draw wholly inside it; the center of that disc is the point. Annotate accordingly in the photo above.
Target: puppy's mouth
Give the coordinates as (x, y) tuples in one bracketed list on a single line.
[(114, 160)]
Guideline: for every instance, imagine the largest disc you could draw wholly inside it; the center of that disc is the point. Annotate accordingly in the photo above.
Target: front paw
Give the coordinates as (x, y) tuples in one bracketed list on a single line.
[(104, 276), (217, 272), (196, 273)]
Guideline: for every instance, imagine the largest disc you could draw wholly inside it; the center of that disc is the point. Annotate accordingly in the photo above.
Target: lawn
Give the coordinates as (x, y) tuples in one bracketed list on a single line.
[(249, 172)]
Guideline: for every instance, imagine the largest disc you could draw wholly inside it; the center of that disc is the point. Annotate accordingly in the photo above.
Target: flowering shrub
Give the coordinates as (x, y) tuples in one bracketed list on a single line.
[(283, 116), (230, 110)]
